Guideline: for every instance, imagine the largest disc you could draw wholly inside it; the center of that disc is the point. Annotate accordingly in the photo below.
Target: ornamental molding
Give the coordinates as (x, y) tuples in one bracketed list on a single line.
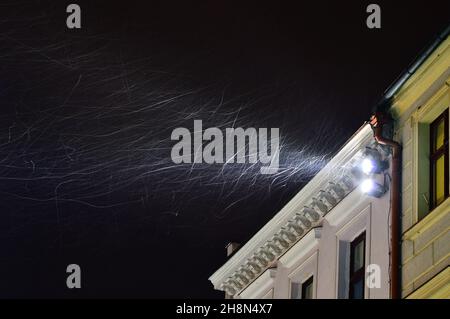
[(302, 248), (261, 285)]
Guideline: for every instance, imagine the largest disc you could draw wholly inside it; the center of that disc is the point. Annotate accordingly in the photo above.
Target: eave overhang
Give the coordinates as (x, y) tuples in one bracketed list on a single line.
[(431, 68)]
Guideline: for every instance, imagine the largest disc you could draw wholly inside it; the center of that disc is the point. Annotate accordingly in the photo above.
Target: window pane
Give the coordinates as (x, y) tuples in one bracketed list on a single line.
[(357, 291), (295, 290), (439, 135), (307, 290), (358, 256), (440, 179)]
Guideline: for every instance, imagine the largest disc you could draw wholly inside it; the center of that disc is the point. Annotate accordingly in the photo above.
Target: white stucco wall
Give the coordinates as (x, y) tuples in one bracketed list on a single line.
[(317, 253)]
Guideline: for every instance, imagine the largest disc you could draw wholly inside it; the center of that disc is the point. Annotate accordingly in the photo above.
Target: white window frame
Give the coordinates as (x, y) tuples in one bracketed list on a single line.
[(344, 236), (304, 271)]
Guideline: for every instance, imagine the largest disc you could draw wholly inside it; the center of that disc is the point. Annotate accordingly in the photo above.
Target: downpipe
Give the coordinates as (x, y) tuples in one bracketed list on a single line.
[(377, 121)]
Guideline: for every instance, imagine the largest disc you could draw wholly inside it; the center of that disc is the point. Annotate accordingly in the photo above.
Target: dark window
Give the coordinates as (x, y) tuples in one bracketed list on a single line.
[(307, 288), (302, 290), (357, 267), (439, 160)]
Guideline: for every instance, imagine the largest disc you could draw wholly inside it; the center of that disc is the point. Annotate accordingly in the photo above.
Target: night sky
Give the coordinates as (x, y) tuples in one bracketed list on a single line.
[(86, 117)]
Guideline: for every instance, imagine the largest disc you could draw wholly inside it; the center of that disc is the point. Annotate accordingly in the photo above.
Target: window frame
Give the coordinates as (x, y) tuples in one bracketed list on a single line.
[(307, 283), (355, 276), (435, 155), (302, 270), (298, 288)]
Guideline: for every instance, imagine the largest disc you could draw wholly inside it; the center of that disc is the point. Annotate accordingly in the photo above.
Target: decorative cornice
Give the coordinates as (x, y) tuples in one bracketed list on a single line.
[(261, 284), (305, 211), (301, 248)]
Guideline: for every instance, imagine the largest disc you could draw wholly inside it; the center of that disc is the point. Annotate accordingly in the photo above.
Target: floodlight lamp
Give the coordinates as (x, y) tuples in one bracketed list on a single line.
[(372, 188), (372, 162)]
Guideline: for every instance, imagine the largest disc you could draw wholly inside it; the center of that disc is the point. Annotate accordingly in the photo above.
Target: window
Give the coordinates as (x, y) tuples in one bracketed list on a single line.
[(357, 267), (303, 269), (439, 160), (307, 288), (302, 290)]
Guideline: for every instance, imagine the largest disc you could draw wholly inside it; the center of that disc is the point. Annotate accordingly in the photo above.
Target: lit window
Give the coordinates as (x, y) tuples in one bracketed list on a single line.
[(357, 267), (439, 160)]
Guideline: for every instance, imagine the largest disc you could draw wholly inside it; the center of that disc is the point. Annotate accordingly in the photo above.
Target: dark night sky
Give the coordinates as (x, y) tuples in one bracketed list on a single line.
[(86, 117)]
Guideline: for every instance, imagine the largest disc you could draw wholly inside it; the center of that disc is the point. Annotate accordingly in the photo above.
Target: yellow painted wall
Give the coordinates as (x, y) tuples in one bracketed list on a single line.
[(426, 238)]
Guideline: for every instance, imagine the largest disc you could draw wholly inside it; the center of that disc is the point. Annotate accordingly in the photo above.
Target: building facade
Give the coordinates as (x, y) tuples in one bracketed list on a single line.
[(327, 240), (420, 107), (338, 237)]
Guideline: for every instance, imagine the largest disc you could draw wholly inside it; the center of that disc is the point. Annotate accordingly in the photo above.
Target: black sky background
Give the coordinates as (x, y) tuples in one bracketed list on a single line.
[(85, 169)]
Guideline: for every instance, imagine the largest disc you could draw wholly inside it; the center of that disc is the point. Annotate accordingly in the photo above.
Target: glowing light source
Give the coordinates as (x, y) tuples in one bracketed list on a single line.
[(367, 185), (367, 166), (372, 162), (370, 187)]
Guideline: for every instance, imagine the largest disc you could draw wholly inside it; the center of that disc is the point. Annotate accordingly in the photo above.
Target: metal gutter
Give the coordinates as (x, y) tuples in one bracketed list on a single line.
[(401, 80)]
